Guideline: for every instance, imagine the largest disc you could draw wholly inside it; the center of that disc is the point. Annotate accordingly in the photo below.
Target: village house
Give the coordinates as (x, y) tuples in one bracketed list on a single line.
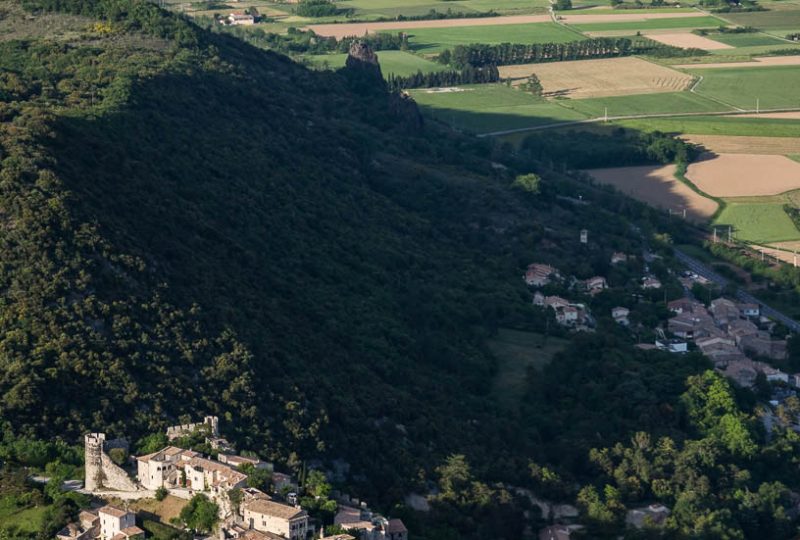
[(672, 345), (685, 305), (163, 468), (538, 275), (241, 18), (761, 344), (567, 315), (87, 527), (723, 310), (555, 302), (596, 284), (283, 482), (370, 526), (238, 461), (618, 257), (272, 517), (620, 315), (538, 299), (740, 328), (649, 282), (749, 310), (743, 372), (207, 475), (118, 524), (693, 325)]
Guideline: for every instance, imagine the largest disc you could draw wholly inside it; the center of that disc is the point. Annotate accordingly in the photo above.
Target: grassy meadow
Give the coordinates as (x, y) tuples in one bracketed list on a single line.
[(516, 352), (742, 86), (654, 24), (491, 107), (434, 40), (659, 103), (758, 223), (397, 62)]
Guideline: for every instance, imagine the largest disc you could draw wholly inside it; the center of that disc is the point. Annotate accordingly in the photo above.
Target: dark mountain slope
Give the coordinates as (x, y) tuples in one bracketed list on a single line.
[(194, 226)]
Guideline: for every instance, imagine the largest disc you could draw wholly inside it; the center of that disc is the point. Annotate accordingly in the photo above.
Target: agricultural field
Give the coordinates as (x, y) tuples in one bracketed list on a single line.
[(741, 87), (435, 40), (717, 125), (516, 353), (723, 144), (361, 28), (652, 24), (490, 107), (752, 39), (410, 8), (395, 62), (689, 40), (643, 104), (657, 186), (600, 78), (758, 223), (743, 175)]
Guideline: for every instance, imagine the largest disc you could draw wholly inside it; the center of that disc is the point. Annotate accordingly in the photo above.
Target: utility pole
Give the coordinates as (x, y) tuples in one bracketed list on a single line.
[(730, 234), (606, 115), (758, 106), (715, 235), (795, 259), (684, 213)]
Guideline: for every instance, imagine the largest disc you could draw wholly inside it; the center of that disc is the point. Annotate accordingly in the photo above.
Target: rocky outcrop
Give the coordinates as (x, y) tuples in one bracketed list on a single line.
[(362, 67)]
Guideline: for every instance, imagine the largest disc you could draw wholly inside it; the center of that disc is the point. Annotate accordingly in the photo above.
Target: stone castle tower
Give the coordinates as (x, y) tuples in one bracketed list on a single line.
[(101, 471), (93, 445)]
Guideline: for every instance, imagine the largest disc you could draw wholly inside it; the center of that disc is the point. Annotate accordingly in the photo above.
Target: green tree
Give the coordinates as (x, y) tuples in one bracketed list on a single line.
[(200, 514), (530, 183), (118, 455)]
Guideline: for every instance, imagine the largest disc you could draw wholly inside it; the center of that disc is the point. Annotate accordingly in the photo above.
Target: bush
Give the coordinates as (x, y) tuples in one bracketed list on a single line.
[(118, 455), (161, 493)]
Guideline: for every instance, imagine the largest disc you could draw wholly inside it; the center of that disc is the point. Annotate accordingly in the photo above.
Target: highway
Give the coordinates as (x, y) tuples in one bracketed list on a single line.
[(702, 270)]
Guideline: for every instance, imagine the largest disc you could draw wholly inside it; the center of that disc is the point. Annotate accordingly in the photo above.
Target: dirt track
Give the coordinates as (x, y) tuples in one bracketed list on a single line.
[(742, 175), (657, 186)]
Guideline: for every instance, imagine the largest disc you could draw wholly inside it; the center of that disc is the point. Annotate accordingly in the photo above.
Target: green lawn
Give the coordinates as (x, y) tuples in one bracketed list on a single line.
[(759, 223), (655, 24), (397, 62), (515, 352), (741, 86), (718, 125), (491, 107), (437, 39), (760, 50), (27, 520), (668, 102), (753, 39)]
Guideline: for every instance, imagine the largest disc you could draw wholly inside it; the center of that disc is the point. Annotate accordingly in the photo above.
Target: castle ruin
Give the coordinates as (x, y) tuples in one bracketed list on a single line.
[(101, 471)]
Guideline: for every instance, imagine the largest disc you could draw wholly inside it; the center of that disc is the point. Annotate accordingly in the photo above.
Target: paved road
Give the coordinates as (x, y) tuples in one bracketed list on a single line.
[(701, 269)]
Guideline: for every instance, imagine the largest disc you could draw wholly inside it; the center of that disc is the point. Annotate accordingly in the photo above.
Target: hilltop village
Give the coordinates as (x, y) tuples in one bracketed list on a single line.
[(222, 484)]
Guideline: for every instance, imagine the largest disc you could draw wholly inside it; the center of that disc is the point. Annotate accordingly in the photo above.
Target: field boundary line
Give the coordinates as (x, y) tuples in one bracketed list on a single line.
[(694, 91)]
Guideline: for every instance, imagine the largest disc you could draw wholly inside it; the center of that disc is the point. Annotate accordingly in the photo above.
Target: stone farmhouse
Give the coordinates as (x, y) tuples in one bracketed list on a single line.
[(106, 523), (539, 275), (370, 526), (262, 514)]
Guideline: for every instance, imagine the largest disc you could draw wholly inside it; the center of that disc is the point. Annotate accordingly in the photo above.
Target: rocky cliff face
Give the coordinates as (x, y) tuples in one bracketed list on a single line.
[(362, 67)]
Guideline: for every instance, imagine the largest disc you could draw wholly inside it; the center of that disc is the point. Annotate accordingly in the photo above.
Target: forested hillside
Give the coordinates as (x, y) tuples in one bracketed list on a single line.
[(195, 226)]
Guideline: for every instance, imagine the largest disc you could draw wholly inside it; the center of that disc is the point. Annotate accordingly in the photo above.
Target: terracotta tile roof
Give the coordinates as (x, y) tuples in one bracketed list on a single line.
[(132, 531), (113, 511), (396, 526), (272, 508)]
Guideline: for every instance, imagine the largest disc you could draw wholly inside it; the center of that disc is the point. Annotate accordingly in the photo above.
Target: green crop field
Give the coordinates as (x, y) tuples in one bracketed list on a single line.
[(749, 52), (758, 222), (670, 102), (410, 8), (655, 24), (765, 20), (718, 125), (516, 352), (491, 107), (437, 39), (742, 86), (397, 62), (752, 39)]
